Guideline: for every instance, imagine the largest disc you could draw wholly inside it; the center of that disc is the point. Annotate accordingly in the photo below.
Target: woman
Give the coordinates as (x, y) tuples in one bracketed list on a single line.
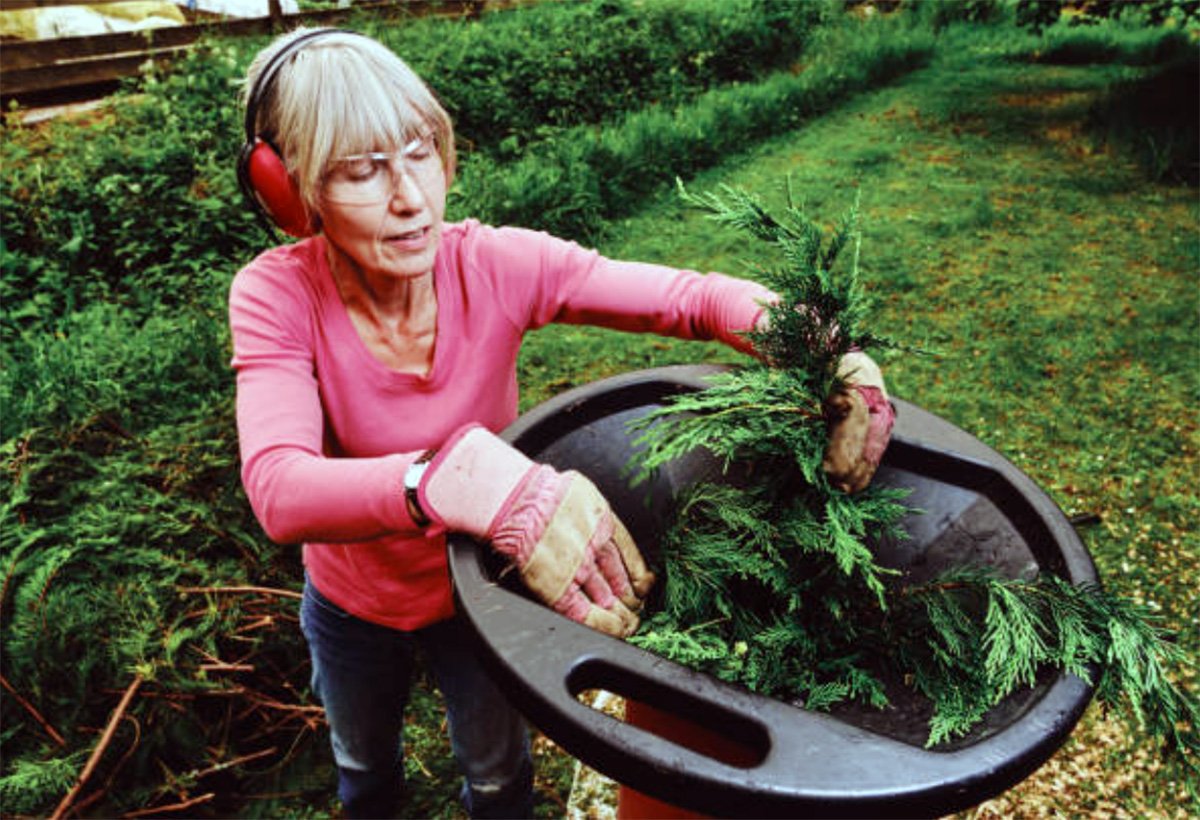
[(375, 361)]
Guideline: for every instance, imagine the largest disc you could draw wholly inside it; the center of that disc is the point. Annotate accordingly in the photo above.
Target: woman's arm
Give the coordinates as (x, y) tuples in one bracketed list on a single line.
[(655, 299), (686, 304), (297, 492), (541, 279)]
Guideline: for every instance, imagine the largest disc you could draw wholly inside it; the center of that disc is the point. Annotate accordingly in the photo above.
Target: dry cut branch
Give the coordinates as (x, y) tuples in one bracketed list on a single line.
[(28, 707), (242, 590), (98, 752), (181, 806)]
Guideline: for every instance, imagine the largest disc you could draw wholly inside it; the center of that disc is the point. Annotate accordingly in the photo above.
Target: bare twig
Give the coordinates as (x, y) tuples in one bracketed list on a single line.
[(242, 590), (271, 703), (226, 667), (97, 795), (216, 664), (50, 730), (265, 620), (98, 752), (186, 804), (424, 769), (237, 761)]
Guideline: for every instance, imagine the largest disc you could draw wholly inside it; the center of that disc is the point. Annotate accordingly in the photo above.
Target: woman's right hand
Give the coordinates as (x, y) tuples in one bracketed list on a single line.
[(860, 420), (569, 546)]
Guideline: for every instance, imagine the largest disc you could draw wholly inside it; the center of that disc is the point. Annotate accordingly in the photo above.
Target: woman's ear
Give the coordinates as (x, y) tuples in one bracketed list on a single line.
[(275, 190)]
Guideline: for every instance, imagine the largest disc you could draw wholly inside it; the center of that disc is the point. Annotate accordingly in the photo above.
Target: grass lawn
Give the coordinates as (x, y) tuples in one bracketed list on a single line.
[(1055, 290)]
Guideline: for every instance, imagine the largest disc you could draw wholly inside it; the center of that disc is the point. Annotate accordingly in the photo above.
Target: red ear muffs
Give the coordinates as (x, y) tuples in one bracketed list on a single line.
[(275, 189), (261, 172)]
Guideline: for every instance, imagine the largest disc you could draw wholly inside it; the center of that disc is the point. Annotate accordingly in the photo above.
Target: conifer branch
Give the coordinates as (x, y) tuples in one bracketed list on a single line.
[(745, 560), (766, 577), (1049, 623)]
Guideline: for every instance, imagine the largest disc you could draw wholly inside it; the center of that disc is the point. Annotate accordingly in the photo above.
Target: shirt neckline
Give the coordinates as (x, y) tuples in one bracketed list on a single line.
[(345, 327)]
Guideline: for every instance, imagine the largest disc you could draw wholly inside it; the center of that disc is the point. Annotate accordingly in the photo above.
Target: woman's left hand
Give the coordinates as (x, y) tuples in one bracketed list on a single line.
[(860, 423)]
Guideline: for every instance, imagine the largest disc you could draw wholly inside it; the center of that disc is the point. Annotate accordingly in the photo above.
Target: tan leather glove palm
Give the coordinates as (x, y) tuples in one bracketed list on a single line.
[(572, 551), (860, 419)]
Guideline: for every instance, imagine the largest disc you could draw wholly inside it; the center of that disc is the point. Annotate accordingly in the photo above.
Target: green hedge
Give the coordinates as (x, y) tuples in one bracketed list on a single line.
[(570, 185), (141, 207), (136, 205), (510, 78)]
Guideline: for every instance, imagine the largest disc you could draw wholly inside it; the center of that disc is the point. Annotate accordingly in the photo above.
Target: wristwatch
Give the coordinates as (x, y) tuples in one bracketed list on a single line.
[(412, 480)]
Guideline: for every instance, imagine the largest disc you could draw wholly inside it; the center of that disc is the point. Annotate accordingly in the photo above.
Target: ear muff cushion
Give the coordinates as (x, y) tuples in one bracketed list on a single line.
[(269, 179)]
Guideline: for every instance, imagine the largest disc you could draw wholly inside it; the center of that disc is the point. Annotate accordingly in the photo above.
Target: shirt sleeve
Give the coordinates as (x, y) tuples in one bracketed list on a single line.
[(298, 493), (645, 298), (579, 286)]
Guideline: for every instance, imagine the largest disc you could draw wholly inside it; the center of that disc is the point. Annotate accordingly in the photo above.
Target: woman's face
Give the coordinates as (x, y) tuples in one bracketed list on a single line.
[(384, 210)]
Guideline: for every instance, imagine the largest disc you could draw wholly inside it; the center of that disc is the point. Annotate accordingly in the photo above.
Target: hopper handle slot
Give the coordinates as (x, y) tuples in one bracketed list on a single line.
[(774, 752)]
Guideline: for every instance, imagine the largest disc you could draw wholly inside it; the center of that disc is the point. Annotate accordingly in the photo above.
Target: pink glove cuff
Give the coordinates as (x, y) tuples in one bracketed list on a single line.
[(470, 480), (882, 419)]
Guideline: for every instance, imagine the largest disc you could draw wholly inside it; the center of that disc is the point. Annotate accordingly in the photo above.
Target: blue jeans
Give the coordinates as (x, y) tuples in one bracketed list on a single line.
[(362, 672)]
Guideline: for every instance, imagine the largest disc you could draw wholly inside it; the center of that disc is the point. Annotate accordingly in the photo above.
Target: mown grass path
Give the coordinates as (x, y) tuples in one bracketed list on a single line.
[(1056, 289)]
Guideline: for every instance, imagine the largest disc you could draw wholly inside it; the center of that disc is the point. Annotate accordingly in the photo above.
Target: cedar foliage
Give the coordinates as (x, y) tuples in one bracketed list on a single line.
[(769, 579)]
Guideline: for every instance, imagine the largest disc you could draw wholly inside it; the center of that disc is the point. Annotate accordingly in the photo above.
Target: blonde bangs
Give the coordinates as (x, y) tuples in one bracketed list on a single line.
[(348, 94)]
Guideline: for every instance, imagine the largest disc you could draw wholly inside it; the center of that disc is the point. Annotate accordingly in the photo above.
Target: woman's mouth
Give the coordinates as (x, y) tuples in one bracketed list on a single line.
[(413, 240)]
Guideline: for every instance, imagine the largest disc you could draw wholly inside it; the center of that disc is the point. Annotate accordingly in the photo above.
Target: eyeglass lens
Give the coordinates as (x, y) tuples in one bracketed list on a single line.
[(374, 176)]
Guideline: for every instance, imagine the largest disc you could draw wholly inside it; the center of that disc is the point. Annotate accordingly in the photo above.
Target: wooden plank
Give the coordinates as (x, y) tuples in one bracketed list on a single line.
[(19, 5), (25, 53), (16, 5), (36, 53), (34, 66), (80, 73)]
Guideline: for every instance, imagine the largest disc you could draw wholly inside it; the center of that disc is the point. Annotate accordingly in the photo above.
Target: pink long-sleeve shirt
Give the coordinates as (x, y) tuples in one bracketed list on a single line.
[(327, 431)]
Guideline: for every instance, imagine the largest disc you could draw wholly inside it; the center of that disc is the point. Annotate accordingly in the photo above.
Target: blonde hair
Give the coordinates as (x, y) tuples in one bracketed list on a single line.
[(342, 93)]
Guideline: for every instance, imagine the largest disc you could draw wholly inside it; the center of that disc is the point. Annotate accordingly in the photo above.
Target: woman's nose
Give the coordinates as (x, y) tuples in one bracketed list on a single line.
[(406, 193)]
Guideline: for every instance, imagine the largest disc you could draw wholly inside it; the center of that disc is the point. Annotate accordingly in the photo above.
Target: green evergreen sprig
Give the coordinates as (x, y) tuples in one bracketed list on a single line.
[(768, 580), (746, 558), (775, 406), (999, 634)]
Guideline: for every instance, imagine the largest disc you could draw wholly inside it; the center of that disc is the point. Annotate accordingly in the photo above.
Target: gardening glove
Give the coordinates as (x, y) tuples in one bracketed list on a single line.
[(860, 419), (570, 548)]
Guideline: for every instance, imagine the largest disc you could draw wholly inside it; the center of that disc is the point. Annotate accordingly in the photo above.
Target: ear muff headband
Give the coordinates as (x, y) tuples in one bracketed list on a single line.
[(262, 173)]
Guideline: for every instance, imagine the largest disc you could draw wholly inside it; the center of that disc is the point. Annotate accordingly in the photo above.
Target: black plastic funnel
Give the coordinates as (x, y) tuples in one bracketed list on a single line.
[(977, 507)]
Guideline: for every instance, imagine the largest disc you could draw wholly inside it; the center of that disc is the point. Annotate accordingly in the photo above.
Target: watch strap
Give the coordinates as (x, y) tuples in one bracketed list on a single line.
[(412, 481)]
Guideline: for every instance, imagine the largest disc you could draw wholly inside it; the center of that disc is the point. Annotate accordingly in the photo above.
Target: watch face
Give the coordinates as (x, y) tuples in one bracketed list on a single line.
[(412, 476)]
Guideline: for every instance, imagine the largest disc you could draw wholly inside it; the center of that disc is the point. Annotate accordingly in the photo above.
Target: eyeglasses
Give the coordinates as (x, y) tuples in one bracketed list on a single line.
[(371, 178)]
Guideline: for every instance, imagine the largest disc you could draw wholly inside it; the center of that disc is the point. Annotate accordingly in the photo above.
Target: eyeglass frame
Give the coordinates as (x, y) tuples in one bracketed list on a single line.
[(387, 160)]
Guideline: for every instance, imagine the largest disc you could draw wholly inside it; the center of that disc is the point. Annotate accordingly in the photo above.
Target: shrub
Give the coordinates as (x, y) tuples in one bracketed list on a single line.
[(138, 206), (568, 185), (510, 78), (100, 535), (1156, 119), (103, 360), (973, 12), (1113, 43)]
